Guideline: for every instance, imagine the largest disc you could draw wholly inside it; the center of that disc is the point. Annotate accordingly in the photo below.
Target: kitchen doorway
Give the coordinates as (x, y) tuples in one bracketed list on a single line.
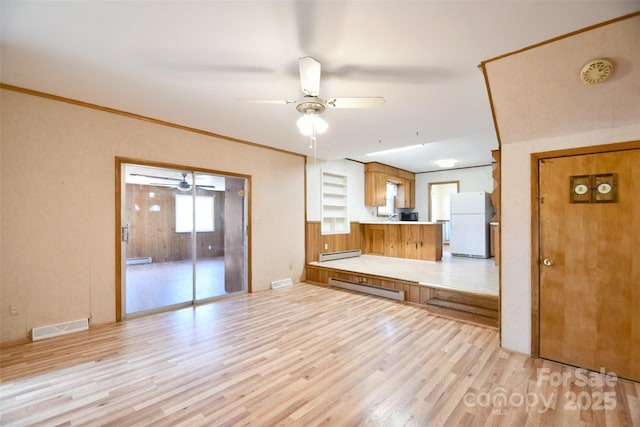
[(440, 205), (183, 237)]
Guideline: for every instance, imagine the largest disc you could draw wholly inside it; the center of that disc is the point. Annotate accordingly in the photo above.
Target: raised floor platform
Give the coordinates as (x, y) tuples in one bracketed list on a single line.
[(458, 287)]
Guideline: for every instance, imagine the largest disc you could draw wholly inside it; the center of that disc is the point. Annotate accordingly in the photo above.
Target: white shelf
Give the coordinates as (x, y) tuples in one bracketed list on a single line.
[(335, 211)]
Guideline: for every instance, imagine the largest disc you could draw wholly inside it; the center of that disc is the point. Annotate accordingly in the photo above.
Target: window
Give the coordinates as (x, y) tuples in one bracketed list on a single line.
[(392, 194), (184, 213)]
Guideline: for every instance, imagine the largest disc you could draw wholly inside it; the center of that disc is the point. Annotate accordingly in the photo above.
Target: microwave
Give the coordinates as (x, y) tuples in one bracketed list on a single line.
[(408, 216)]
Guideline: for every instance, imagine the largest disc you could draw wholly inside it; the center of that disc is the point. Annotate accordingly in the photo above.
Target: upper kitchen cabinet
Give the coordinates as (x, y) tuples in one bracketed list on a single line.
[(406, 194), (375, 189), (376, 176)]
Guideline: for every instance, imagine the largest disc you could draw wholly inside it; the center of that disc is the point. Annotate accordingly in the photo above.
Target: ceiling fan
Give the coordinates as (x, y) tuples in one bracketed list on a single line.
[(311, 105), (182, 185)]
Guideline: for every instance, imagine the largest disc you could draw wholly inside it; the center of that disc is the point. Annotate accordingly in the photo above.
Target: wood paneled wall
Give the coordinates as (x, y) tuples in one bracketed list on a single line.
[(152, 233), (334, 242)]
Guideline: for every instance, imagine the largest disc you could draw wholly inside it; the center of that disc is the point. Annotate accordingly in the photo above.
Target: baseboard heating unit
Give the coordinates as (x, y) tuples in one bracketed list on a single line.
[(138, 261), (395, 294), (42, 332), (329, 256)]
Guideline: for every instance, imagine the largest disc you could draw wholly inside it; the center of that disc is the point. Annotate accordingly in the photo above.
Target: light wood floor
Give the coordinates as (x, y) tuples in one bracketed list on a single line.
[(304, 355)]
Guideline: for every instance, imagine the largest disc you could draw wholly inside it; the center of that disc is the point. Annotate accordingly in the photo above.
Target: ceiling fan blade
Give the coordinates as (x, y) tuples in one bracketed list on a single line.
[(370, 102), (158, 184), (267, 101), (207, 187), (156, 177), (309, 75)]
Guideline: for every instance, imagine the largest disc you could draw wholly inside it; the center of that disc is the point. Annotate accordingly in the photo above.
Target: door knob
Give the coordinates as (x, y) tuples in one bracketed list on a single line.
[(547, 262)]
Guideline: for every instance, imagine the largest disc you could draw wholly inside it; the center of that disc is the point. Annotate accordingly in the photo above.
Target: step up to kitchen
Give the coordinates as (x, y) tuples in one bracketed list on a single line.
[(467, 308), (466, 312)]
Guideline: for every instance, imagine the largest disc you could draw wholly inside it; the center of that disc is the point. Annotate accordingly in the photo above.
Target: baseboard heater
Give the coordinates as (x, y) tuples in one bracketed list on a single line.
[(329, 256), (395, 294), (42, 332), (470, 255), (137, 261)]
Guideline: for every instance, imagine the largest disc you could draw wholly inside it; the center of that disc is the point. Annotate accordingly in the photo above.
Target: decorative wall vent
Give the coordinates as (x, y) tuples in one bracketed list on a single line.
[(596, 71), (276, 284)]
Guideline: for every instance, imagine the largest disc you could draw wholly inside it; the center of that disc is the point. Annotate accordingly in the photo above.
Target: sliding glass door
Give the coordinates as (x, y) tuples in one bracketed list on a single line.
[(184, 237)]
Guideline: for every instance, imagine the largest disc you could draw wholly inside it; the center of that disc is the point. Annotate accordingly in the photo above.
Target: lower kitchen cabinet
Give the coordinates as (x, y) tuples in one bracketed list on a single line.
[(404, 240)]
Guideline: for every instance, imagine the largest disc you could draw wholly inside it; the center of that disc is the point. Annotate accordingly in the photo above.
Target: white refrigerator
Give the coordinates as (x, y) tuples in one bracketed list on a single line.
[(470, 217)]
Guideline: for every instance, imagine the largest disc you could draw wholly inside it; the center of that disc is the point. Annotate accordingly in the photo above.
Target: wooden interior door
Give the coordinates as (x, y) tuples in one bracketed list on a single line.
[(589, 291)]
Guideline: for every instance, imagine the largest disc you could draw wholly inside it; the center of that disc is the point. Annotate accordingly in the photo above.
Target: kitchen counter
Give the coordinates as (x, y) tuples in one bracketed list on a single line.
[(403, 239), (397, 222)]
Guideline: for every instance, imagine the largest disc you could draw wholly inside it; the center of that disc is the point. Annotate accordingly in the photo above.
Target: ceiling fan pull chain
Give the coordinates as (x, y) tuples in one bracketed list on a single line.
[(312, 137)]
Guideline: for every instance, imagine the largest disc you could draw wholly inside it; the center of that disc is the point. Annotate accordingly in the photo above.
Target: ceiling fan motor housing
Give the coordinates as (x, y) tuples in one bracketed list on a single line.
[(311, 104)]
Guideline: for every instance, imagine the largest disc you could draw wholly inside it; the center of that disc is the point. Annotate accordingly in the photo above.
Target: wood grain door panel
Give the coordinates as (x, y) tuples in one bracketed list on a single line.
[(590, 296)]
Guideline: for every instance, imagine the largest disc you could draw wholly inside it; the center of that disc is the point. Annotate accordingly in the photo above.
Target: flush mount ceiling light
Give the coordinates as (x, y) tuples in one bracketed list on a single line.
[(446, 163), (596, 71)]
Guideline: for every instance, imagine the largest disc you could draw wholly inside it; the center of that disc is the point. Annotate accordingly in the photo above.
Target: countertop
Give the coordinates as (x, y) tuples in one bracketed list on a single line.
[(398, 222)]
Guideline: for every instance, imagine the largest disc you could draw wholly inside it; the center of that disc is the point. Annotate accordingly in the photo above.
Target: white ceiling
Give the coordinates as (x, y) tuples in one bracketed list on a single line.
[(189, 63)]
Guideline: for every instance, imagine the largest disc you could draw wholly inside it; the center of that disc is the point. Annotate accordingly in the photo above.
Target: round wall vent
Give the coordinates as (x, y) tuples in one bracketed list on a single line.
[(596, 71)]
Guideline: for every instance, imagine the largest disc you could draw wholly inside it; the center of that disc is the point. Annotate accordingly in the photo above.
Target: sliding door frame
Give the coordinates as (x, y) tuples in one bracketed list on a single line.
[(119, 162)]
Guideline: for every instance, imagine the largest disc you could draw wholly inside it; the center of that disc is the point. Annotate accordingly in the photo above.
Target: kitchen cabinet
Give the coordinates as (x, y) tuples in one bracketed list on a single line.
[(376, 176), (495, 241), (406, 194), (375, 189), (414, 240)]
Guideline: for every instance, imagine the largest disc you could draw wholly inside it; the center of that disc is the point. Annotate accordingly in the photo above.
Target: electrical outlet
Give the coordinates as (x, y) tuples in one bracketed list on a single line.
[(13, 309), (326, 246)]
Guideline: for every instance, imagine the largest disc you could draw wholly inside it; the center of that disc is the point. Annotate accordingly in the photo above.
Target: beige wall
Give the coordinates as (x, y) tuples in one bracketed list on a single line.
[(58, 205), (541, 105)]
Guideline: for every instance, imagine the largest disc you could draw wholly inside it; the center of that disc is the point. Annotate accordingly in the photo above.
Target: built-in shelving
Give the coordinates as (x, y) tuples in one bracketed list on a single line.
[(335, 206)]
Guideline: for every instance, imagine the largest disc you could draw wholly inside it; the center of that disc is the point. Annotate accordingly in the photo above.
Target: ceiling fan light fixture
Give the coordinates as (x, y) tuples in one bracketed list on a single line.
[(183, 186), (310, 124)]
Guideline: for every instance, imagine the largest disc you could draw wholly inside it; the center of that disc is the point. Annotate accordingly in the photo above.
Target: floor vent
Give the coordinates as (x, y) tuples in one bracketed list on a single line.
[(395, 294), (281, 283), (64, 328), (329, 256)]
